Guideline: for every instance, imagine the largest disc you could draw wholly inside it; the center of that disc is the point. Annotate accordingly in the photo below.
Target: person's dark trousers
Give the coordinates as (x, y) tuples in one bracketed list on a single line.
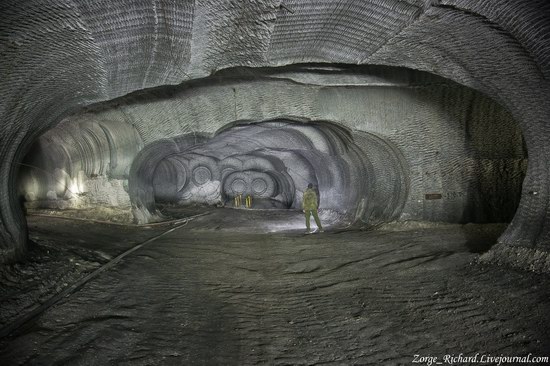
[(315, 216)]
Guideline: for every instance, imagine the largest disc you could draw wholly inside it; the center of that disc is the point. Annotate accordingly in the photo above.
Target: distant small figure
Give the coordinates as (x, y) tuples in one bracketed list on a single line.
[(310, 207), (238, 200), (248, 201)]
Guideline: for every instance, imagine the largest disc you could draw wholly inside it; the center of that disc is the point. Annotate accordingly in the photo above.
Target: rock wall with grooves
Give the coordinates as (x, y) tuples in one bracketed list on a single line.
[(397, 144), (83, 162), (272, 162), (59, 57)]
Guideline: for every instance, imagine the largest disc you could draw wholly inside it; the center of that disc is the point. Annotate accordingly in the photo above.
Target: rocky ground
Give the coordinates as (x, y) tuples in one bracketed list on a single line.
[(103, 214), (247, 287)]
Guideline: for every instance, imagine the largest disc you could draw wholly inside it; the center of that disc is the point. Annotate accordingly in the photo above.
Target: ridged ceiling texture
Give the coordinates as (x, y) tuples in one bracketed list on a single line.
[(56, 57)]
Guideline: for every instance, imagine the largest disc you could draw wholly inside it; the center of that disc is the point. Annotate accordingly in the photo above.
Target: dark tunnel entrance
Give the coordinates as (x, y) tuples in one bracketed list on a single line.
[(396, 145), (359, 176)]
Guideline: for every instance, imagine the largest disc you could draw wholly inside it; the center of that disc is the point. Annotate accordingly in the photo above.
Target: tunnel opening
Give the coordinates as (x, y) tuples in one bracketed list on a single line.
[(417, 149), (268, 165), (380, 144)]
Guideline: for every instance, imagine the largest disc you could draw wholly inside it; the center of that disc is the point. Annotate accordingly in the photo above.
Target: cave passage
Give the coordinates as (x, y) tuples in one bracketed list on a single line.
[(399, 145), (154, 156), (191, 199), (273, 162)]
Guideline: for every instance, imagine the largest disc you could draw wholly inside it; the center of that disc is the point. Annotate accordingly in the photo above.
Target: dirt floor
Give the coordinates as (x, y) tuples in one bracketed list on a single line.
[(237, 287)]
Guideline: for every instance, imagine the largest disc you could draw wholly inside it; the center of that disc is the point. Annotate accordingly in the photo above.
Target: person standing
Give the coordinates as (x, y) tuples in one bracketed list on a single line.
[(310, 207)]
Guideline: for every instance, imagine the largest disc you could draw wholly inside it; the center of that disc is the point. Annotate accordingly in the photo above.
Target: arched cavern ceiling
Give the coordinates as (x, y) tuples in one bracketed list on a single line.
[(72, 54)]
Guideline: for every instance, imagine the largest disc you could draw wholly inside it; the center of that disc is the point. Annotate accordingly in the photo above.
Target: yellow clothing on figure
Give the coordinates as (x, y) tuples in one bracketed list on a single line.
[(238, 201), (309, 206), (310, 199)]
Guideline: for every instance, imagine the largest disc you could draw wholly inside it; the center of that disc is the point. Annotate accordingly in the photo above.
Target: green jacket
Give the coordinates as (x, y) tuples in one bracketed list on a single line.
[(310, 200)]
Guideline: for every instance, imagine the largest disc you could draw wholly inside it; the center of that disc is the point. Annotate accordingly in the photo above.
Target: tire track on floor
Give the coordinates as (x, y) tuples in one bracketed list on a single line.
[(69, 290)]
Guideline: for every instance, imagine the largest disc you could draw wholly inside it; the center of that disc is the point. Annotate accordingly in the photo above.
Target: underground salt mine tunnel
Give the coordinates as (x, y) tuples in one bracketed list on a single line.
[(156, 158)]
